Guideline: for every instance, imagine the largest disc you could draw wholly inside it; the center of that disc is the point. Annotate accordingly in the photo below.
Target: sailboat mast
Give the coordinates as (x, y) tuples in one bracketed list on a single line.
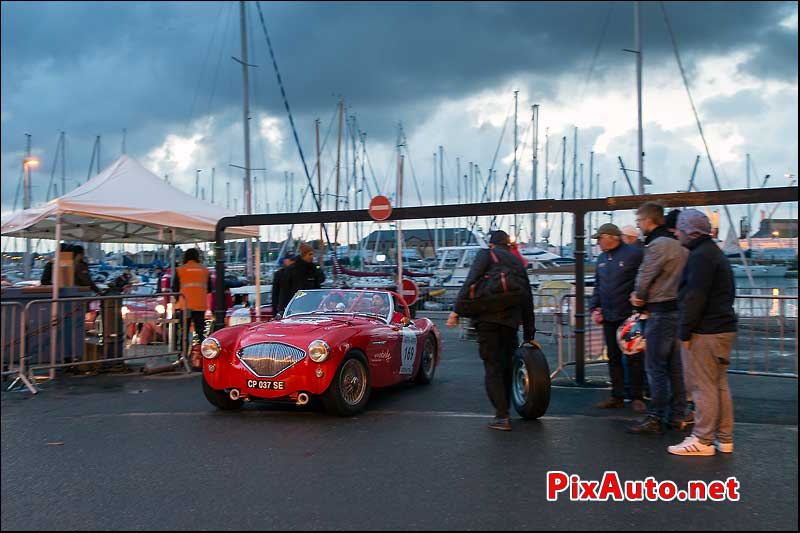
[(26, 201), (575, 164), (246, 127), (458, 196), (547, 177), (399, 201), (338, 168), (749, 213), (516, 180), (443, 239), (638, 37), (435, 202), (563, 189), (319, 194), (63, 163), (535, 169), (591, 195)]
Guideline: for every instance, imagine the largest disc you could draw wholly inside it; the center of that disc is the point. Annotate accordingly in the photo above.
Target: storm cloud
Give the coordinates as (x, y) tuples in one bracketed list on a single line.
[(163, 70)]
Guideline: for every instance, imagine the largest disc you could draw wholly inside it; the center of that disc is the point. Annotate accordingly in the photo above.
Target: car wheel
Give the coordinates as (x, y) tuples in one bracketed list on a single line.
[(427, 366), (350, 388), (530, 387), (219, 399)]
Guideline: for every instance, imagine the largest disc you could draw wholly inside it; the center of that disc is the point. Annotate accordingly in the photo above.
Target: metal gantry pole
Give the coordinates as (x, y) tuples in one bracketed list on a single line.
[(580, 344)]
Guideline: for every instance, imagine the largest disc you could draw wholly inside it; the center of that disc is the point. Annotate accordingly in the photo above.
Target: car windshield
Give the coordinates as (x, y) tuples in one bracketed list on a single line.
[(142, 289), (339, 301)]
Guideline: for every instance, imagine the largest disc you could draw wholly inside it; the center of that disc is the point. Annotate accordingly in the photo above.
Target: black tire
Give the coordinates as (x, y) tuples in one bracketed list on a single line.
[(427, 366), (219, 399), (530, 383), (349, 391)]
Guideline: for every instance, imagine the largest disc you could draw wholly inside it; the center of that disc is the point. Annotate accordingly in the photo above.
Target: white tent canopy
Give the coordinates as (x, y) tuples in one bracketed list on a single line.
[(125, 203)]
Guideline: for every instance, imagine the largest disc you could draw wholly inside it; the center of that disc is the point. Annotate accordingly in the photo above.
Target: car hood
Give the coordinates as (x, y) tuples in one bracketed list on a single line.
[(299, 329)]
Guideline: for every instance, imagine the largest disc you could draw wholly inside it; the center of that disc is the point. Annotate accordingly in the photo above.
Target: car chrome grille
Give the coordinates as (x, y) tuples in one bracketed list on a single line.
[(268, 359)]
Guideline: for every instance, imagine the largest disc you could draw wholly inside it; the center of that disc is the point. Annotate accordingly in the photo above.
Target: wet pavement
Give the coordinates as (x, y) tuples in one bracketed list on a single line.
[(138, 452)]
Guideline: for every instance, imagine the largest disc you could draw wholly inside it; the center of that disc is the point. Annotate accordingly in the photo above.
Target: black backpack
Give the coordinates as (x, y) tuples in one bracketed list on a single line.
[(500, 288)]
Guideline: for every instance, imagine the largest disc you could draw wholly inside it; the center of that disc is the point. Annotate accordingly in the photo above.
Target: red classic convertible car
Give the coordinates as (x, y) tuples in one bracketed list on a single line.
[(334, 343)]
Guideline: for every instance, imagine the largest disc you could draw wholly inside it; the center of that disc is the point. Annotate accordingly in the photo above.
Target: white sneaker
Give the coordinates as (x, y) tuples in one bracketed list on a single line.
[(691, 445), (724, 447)]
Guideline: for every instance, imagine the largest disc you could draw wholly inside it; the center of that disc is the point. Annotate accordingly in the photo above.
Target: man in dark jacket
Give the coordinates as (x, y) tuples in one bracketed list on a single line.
[(707, 329), (303, 274), (83, 277), (497, 331), (277, 280), (47, 272), (613, 282)]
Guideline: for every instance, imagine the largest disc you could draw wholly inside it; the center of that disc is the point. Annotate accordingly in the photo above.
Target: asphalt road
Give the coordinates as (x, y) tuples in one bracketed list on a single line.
[(135, 452)]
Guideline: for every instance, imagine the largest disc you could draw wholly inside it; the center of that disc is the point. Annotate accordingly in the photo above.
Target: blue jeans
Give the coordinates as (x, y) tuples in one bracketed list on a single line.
[(663, 366)]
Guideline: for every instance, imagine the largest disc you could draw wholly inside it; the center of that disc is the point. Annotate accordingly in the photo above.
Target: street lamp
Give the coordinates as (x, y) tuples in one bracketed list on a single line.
[(27, 163)]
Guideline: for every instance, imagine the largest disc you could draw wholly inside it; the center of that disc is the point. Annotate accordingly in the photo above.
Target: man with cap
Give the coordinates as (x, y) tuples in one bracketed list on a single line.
[(277, 279), (630, 236), (497, 331), (303, 274), (613, 282), (707, 330)]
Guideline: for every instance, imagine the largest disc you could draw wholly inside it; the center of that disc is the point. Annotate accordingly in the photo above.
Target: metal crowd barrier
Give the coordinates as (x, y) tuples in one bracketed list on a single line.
[(92, 334), (10, 340), (766, 340), (594, 351)]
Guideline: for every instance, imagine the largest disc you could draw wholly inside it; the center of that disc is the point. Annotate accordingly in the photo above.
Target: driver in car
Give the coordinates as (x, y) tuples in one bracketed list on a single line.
[(334, 303), (379, 305)]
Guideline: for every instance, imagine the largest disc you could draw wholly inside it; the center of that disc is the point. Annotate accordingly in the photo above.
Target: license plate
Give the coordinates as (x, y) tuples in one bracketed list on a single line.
[(266, 385)]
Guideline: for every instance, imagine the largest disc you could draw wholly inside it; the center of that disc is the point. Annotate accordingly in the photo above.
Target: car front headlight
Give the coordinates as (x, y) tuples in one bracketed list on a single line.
[(160, 309), (124, 311), (318, 350), (210, 348)]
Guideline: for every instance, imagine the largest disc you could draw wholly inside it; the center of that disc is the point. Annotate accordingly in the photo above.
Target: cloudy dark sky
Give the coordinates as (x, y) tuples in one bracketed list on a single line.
[(447, 71)]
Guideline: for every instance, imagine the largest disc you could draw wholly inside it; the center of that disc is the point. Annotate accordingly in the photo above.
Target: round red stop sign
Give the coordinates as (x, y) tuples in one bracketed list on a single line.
[(380, 208), (409, 291)]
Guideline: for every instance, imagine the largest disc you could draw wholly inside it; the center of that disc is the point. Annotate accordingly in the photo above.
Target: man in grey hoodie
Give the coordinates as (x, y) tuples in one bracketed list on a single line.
[(656, 288)]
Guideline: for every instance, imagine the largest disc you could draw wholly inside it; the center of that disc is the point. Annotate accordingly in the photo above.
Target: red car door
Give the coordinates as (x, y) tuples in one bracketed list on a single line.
[(406, 338)]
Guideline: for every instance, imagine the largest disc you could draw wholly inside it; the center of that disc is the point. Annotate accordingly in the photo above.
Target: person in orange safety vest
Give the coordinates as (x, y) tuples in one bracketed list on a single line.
[(194, 281)]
